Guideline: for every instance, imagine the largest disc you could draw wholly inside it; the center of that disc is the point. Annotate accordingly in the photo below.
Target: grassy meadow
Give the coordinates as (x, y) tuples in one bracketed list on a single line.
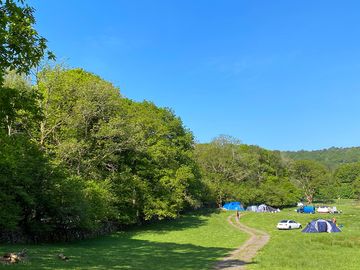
[(296, 250), (191, 242), (196, 241)]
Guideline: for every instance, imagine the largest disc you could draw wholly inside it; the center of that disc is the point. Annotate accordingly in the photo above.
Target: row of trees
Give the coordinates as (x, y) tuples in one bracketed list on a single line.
[(75, 155), (231, 171), (331, 157)]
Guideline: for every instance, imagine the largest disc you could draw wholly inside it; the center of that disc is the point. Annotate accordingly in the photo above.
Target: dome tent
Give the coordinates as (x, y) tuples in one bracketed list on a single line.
[(266, 208), (233, 206), (321, 225)]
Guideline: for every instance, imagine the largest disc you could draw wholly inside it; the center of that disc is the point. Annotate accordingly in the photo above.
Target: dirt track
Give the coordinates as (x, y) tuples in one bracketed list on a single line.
[(242, 256)]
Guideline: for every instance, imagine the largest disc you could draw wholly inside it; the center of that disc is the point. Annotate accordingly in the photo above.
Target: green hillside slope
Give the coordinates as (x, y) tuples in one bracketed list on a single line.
[(331, 157)]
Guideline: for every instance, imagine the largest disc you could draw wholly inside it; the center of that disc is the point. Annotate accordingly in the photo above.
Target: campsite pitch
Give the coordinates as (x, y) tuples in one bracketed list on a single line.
[(292, 249)]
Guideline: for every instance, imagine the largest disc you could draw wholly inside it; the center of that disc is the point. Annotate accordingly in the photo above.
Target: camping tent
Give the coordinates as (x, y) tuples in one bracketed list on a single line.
[(252, 208), (321, 225), (308, 209), (266, 208), (233, 206)]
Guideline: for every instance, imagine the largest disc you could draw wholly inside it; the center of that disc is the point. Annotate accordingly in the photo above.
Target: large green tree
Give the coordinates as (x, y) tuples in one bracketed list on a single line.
[(309, 176), (234, 171), (347, 180), (143, 152)]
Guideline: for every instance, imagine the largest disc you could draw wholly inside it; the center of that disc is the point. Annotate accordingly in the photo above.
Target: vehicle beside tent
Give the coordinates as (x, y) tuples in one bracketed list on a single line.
[(233, 206), (321, 225)]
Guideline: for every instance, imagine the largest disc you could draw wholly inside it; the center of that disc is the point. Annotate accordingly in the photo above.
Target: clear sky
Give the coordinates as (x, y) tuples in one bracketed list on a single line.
[(279, 74)]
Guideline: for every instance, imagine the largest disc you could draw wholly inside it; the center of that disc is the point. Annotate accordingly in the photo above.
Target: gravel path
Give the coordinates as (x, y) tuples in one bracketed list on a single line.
[(242, 256)]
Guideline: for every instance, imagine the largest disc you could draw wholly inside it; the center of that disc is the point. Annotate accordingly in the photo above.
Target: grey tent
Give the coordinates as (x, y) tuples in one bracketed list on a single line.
[(252, 208), (266, 208)]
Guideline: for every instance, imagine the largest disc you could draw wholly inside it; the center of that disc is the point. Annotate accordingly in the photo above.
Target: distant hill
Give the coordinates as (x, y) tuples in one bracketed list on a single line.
[(332, 157)]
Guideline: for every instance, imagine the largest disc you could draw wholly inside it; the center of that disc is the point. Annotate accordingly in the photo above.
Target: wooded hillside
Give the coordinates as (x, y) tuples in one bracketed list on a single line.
[(331, 157)]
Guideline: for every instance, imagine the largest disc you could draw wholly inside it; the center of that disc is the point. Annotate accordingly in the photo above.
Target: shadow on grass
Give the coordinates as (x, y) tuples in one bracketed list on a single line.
[(122, 252), (232, 263), (190, 220)]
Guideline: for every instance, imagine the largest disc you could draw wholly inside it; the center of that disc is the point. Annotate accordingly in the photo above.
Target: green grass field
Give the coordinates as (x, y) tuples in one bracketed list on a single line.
[(296, 250), (191, 242), (197, 241)]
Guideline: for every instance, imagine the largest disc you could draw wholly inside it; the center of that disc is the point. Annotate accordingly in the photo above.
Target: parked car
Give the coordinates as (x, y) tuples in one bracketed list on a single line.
[(288, 224)]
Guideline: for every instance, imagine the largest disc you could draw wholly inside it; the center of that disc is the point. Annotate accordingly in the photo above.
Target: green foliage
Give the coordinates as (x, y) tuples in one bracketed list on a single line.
[(331, 158), (309, 176), (342, 170), (76, 153), (19, 110), (277, 191), (143, 152), (21, 47), (24, 176), (164, 164), (346, 178), (233, 171), (79, 204)]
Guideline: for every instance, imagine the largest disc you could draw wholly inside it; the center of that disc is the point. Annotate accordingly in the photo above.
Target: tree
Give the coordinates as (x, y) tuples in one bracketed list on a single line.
[(21, 46), (308, 175), (19, 110), (143, 152), (220, 166), (346, 178), (162, 161), (234, 171)]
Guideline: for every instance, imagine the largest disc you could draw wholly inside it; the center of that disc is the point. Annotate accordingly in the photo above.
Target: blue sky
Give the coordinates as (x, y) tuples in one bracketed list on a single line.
[(279, 74)]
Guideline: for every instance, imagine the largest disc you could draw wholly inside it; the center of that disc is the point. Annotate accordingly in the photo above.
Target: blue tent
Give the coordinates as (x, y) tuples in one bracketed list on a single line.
[(321, 225), (233, 206), (308, 209)]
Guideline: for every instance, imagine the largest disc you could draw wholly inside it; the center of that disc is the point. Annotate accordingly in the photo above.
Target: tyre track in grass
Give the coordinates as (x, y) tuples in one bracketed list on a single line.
[(239, 258)]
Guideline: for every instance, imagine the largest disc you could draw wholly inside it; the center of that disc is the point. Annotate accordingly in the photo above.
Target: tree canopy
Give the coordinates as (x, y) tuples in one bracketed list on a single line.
[(21, 46)]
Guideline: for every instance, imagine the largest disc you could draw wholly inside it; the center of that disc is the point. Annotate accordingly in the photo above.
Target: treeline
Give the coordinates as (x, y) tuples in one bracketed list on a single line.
[(234, 171), (75, 155), (331, 157)]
